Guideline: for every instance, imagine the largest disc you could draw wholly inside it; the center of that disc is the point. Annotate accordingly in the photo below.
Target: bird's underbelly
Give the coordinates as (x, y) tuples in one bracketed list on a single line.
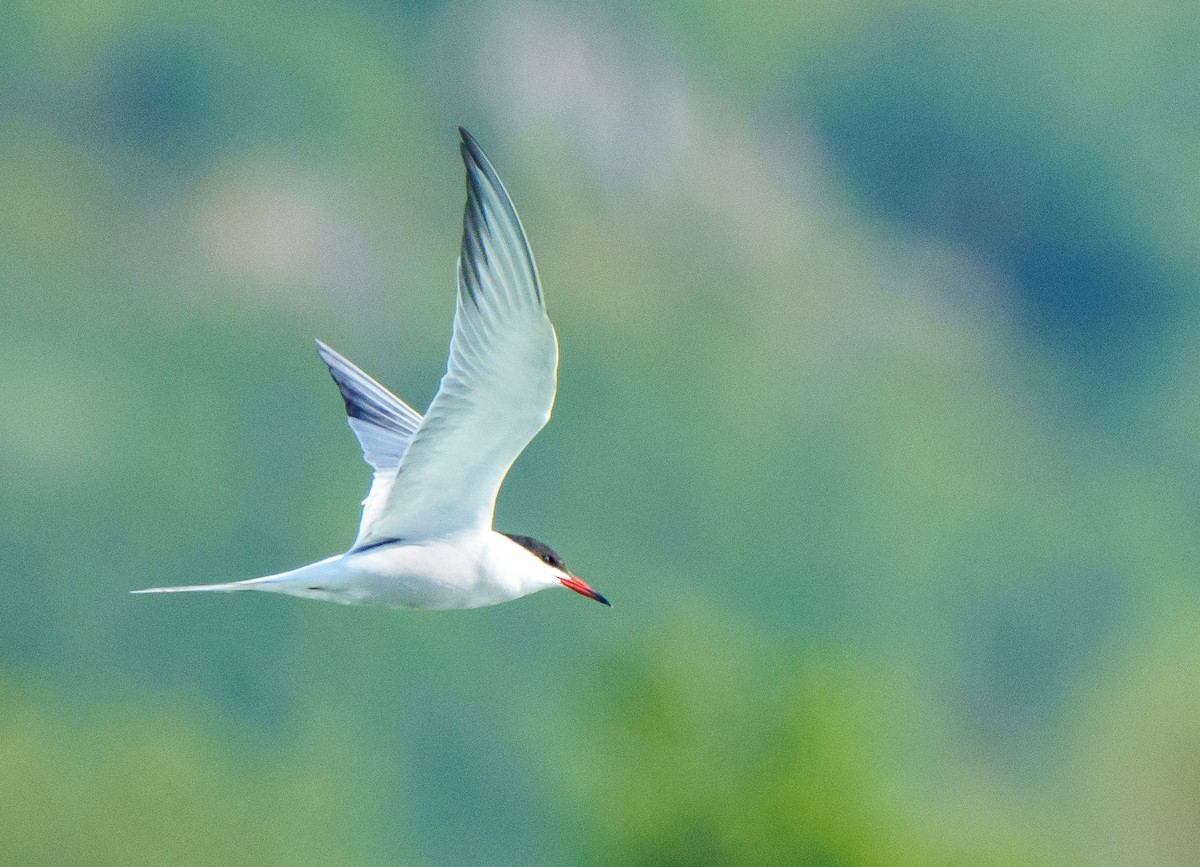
[(430, 576)]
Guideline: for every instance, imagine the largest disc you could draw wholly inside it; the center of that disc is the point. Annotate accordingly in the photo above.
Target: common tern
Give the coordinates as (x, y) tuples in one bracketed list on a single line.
[(426, 537)]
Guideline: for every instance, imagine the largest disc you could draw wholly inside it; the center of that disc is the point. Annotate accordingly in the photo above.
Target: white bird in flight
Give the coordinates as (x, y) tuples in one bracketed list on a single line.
[(426, 537)]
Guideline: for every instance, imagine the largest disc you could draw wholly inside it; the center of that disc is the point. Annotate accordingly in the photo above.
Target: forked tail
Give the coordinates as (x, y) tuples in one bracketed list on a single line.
[(312, 581), (195, 588)]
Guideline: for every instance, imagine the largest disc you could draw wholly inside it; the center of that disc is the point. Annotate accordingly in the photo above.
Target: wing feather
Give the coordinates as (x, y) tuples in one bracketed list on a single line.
[(500, 379), (384, 424)]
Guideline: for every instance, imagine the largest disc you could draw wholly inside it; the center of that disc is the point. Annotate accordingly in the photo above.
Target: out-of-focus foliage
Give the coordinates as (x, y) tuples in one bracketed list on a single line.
[(878, 423)]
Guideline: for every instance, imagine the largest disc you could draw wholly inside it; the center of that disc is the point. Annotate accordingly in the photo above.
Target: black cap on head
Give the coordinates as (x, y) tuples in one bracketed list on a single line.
[(540, 550)]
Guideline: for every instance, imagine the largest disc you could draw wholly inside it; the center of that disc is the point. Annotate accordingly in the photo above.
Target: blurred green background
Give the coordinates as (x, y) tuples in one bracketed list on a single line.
[(879, 421)]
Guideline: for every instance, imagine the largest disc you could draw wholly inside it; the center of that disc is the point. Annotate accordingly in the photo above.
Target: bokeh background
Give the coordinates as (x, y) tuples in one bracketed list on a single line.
[(879, 422)]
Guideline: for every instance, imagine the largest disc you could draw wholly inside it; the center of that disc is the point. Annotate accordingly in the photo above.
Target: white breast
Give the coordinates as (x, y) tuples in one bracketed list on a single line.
[(468, 570)]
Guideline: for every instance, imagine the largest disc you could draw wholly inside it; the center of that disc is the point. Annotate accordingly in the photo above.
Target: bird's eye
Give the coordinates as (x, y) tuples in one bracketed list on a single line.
[(546, 558)]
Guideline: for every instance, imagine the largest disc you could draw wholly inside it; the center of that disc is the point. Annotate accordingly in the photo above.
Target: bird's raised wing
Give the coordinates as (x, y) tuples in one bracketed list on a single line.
[(383, 423), (499, 384)]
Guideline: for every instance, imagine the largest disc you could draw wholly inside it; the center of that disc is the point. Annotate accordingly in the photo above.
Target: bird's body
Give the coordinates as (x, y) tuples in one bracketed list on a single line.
[(426, 538), (465, 570)]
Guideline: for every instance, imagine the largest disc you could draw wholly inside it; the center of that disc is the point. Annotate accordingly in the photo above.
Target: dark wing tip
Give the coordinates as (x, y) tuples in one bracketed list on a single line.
[(365, 398), (477, 163), (502, 230), (482, 175), (356, 407), (470, 148)]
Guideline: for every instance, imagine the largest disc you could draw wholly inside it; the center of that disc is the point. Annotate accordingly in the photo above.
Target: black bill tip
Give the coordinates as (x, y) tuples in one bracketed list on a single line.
[(580, 587)]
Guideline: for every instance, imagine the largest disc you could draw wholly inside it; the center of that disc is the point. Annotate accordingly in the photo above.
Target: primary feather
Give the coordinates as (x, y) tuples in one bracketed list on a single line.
[(500, 380), (384, 425)]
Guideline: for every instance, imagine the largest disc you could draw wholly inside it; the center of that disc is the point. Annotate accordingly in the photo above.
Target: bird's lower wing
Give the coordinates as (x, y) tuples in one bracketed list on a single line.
[(384, 424), (499, 384)]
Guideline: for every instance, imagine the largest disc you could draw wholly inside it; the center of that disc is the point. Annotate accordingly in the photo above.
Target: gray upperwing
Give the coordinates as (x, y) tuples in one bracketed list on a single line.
[(383, 423)]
